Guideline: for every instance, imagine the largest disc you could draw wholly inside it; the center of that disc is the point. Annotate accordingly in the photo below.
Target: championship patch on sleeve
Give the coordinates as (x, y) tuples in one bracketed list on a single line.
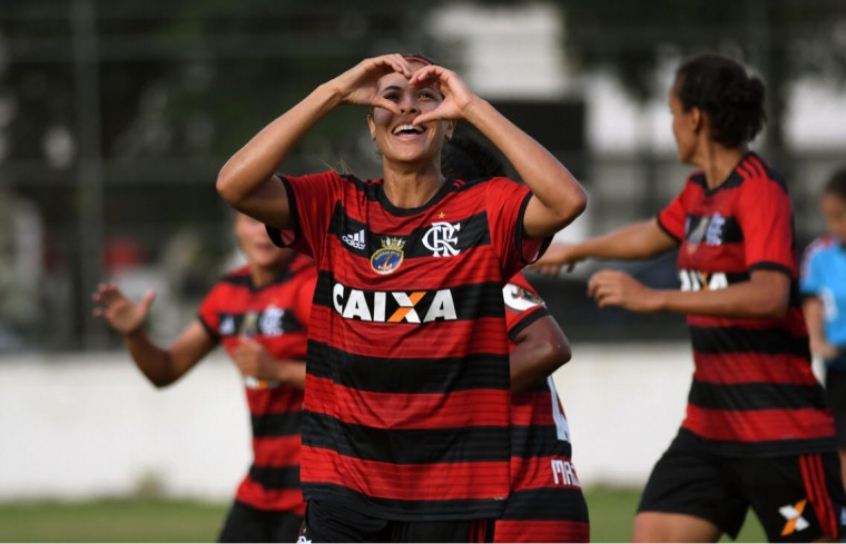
[(520, 299)]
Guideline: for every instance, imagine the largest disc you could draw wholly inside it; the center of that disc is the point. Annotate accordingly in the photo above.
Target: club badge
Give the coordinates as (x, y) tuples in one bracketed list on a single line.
[(387, 259)]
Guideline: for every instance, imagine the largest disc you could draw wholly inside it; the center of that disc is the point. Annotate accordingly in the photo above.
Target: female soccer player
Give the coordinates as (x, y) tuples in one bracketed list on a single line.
[(758, 431), (260, 314), (546, 503), (823, 283), (406, 421)]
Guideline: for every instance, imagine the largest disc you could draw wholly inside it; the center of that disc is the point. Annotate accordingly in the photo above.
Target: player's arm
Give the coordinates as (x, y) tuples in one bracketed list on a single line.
[(640, 240), (161, 366), (813, 309), (539, 350), (247, 180), (558, 198), (252, 359), (765, 295)]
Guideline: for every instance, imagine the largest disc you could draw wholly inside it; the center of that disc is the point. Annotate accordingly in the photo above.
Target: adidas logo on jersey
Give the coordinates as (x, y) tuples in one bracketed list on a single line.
[(355, 240)]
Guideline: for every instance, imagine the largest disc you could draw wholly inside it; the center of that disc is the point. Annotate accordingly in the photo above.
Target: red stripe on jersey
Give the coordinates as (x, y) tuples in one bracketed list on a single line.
[(759, 425), (735, 368), (444, 339), (424, 482), (277, 451), (541, 531), (409, 411), (255, 495), (532, 409), (813, 474), (535, 472)]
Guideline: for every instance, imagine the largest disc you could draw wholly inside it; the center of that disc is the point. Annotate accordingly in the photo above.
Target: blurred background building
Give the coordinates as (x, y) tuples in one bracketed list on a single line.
[(116, 116)]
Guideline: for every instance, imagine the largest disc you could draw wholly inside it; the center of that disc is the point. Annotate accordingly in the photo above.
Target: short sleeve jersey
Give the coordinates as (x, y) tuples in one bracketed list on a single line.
[(753, 390), (824, 276), (546, 502), (407, 388), (276, 315)]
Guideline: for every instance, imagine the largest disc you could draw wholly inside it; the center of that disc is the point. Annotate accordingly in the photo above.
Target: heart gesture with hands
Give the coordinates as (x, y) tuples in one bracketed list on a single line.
[(458, 98), (360, 84)]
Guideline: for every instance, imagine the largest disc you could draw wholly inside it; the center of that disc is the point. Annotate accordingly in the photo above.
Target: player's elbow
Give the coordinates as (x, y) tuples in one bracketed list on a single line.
[(555, 353), (575, 205), (227, 188), (774, 307)]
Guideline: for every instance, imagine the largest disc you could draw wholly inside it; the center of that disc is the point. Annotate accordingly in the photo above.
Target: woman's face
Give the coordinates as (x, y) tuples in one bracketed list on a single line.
[(256, 245), (397, 138), (834, 210), (685, 124)]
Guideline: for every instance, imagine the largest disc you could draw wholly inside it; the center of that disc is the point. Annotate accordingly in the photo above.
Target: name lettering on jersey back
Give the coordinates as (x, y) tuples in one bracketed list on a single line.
[(394, 306), (564, 473), (694, 280), (441, 239)]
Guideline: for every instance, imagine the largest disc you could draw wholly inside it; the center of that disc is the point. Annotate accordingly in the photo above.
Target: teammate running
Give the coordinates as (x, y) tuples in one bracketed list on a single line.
[(758, 430), (260, 314)]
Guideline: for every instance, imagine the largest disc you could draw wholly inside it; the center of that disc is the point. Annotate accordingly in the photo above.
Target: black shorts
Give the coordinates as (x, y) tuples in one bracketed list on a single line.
[(835, 390), (797, 498), (334, 523), (247, 524)]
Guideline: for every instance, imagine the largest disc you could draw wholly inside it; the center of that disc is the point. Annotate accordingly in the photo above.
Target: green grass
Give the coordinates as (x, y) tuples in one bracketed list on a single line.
[(611, 512)]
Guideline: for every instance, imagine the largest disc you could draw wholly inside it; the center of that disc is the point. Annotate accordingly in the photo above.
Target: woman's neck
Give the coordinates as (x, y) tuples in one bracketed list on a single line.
[(263, 275), (718, 162), (411, 188)]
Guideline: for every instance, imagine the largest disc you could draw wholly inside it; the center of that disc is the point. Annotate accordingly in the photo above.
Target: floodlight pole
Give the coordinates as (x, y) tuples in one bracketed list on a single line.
[(90, 186)]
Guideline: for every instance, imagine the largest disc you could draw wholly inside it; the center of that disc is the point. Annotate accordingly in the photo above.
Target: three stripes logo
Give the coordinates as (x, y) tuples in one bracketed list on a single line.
[(355, 240), (793, 515)]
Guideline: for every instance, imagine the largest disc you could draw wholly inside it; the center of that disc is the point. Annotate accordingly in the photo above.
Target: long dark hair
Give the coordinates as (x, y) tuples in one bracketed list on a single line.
[(720, 87), (464, 158)]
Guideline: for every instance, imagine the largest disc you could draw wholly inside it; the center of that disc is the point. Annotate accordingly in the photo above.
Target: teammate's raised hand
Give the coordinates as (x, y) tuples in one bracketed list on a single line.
[(120, 313)]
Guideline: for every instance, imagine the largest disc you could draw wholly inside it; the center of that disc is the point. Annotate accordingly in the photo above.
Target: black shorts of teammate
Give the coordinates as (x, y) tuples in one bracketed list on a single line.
[(797, 498), (247, 524), (334, 523), (835, 389)]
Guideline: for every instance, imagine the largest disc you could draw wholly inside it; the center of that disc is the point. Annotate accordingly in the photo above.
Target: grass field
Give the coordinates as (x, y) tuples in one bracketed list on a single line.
[(611, 512)]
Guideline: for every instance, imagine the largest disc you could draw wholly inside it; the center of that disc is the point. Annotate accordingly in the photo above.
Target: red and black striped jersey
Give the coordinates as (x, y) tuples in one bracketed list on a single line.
[(275, 315), (753, 390), (546, 503), (407, 387)]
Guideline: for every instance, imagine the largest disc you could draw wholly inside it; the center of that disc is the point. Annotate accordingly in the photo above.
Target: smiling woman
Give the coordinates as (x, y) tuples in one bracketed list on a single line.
[(406, 417)]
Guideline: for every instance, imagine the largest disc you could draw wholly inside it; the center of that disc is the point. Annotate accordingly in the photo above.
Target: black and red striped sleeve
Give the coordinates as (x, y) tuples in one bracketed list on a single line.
[(506, 203)]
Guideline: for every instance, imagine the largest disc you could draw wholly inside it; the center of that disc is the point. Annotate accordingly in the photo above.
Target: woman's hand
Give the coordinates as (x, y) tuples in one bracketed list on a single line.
[(458, 98), (615, 288), (359, 84), (120, 313)]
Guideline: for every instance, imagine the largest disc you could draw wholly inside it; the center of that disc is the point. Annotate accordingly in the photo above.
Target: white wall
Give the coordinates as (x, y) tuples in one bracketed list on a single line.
[(76, 426)]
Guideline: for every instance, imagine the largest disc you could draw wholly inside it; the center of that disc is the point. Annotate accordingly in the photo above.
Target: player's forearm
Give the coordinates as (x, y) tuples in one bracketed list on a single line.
[(560, 193), (636, 241), (156, 363), (292, 373), (255, 163), (812, 308), (742, 301), (531, 363)]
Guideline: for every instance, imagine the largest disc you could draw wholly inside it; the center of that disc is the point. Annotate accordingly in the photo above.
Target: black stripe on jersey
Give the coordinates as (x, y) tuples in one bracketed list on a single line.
[(471, 301), (269, 425), (734, 180), (521, 325), (767, 448), (759, 164), (772, 341), (274, 233), (567, 504), (730, 232), (472, 231), (284, 323), (400, 510), (276, 477), (407, 375), (766, 265), (543, 440), (518, 234), (756, 396), (406, 446), (245, 280)]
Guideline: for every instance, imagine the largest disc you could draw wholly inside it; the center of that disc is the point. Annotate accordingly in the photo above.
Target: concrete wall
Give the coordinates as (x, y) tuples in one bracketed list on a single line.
[(77, 426)]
